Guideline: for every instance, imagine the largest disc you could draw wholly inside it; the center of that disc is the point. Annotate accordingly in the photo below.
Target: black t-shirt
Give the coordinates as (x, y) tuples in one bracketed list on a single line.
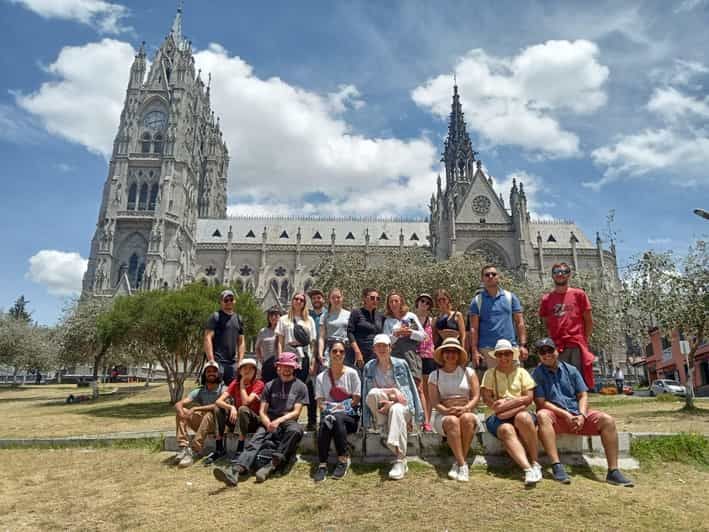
[(282, 396), (227, 329)]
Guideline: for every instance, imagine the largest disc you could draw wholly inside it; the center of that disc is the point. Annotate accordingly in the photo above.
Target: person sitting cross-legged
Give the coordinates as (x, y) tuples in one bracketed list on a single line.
[(454, 392), (392, 401), (562, 408), (508, 390), (199, 418), (337, 391), (281, 403), (244, 392)]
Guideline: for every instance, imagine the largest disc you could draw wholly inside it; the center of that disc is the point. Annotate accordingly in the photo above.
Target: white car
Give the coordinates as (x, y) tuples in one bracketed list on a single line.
[(661, 386)]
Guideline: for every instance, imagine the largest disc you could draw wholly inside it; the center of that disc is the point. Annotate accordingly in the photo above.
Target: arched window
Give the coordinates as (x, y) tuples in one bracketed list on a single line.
[(274, 286), (139, 277), (145, 143), (285, 292), (143, 198), (153, 197), (132, 193), (133, 269), (157, 143)]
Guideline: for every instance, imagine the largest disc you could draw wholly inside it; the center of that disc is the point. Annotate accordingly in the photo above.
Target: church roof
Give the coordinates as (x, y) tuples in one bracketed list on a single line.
[(557, 234), (314, 231)]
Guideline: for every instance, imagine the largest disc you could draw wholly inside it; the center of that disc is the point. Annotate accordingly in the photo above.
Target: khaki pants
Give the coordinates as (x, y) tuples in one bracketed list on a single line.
[(202, 423)]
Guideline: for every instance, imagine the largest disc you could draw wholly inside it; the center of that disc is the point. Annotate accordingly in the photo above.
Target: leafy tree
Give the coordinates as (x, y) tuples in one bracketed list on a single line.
[(83, 335), (26, 346), (661, 290), (19, 310)]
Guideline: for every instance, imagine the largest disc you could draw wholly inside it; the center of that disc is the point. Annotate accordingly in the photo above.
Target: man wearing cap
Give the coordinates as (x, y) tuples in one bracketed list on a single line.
[(562, 408), (281, 403), (224, 337), (495, 314), (199, 418), (508, 390), (243, 410), (567, 315)]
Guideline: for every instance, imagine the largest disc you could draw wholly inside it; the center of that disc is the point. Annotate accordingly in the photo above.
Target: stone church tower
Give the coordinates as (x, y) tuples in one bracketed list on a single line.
[(168, 168)]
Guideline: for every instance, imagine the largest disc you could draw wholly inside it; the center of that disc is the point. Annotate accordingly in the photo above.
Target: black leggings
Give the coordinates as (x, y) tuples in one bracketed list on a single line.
[(342, 425), (304, 375)]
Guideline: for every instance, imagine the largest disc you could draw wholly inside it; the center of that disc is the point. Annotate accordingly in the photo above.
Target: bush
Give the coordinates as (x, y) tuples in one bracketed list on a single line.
[(686, 448)]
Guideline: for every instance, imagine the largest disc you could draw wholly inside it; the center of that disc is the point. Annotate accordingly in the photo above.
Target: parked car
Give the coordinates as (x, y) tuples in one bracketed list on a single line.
[(661, 386)]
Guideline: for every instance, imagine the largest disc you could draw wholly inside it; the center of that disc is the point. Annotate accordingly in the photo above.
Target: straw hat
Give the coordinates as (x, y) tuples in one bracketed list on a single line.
[(450, 343)]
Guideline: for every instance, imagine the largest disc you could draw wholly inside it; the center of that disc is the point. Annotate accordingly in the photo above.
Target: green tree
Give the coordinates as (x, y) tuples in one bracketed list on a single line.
[(82, 339), (19, 310), (26, 346), (661, 290)]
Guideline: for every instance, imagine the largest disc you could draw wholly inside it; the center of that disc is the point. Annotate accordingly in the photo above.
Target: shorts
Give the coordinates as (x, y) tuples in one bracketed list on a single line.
[(428, 366), (437, 423), (413, 359), (561, 426), (492, 423)]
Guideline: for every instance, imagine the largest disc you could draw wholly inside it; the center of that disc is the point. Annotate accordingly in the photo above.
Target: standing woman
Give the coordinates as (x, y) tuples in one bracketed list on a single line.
[(267, 346), (288, 340), (333, 325), (365, 323), (405, 331), (424, 304), (450, 323)]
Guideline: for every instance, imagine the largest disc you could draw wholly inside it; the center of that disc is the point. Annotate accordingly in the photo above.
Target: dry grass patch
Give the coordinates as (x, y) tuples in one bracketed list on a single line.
[(118, 489)]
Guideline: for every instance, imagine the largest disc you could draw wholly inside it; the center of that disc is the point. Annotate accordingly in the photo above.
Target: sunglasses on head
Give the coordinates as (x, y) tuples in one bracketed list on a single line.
[(561, 271), (490, 274)]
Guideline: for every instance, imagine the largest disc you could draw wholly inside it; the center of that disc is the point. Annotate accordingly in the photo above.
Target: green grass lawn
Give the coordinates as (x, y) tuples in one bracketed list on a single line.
[(40, 411)]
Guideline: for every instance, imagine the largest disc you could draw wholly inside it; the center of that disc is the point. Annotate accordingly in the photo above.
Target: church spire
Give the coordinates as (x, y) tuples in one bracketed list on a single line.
[(458, 154), (176, 30)]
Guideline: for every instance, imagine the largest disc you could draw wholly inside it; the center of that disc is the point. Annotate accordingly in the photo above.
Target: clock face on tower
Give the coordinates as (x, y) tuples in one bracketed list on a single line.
[(155, 120), (481, 204)]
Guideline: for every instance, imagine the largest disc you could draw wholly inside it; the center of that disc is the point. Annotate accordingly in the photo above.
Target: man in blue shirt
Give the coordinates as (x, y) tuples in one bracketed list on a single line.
[(562, 408), (495, 314)]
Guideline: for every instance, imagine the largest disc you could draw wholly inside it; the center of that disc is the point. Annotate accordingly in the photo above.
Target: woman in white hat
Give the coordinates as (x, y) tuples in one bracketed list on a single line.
[(454, 393)]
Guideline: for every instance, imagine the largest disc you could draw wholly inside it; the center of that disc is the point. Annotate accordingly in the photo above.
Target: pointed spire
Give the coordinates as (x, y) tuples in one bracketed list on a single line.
[(458, 154), (176, 30)]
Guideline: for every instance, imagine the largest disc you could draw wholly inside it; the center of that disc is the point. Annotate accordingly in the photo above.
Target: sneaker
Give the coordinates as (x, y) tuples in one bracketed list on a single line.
[(532, 476), (226, 475), (179, 455), (453, 473), (320, 473), (559, 473), (341, 469), (538, 468), (399, 469), (187, 459), (213, 457), (463, 473), (263, 473), (617, 478)]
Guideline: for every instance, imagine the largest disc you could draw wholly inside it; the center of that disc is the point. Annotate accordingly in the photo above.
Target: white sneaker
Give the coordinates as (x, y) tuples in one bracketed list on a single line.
[(180, 454), (188, 459), (453, 473), (463, 473), (532, 476), (538, 468), (399, 469)]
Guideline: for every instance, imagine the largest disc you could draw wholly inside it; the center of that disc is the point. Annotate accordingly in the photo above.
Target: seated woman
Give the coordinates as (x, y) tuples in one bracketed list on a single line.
[(392, 401), (338, 392), (454, 393), (243, 409)]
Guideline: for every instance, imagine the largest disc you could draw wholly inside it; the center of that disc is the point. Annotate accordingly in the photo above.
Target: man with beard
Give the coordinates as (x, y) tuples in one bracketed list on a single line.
[(567, 315), (224, 337), (199, 418)]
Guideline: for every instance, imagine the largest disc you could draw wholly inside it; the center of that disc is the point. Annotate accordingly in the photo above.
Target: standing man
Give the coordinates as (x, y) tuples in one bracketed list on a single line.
[(224, 337), (619, 379), (561, 399), (317, 311), (495, 314), (281, 402), (365, 323), (567, 314)]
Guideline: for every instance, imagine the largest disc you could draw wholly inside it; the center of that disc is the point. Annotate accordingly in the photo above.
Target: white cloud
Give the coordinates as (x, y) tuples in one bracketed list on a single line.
[(688, 5), (659, 241), (533, 189), (83, 104), (106, 17), (679, 148), (516, 100), (17, 126), (61, 272), (681, 73)]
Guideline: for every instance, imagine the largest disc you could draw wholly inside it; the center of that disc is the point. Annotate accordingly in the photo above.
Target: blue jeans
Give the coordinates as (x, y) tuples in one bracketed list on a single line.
[(493, 422)]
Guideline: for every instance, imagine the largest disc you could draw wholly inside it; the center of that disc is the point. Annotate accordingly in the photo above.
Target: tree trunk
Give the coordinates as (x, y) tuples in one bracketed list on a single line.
[(150, 374), (98, 359), (176, 384), (689, 386), (14, 375)]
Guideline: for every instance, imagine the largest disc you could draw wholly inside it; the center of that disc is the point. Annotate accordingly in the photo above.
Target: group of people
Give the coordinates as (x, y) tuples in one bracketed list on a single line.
[(395, 371)]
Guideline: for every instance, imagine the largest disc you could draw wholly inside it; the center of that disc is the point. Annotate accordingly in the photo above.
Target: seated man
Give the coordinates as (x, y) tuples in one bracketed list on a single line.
[(508, 390), (199, 418), (392, 401), (281, 402), (562, 408), (243, 408)]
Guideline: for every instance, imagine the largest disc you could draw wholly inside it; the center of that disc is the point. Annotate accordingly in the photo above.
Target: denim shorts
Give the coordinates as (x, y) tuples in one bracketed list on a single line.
[(493, 422)]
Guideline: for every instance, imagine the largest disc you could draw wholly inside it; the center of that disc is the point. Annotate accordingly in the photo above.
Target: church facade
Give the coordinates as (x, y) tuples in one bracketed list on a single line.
[(163, 223)]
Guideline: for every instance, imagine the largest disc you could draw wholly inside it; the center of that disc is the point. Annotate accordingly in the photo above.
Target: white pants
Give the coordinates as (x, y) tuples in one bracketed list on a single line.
[(394, 423)]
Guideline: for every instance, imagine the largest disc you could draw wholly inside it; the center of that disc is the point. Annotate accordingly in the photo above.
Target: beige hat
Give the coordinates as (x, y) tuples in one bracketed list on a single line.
[(450, 343), (504, 345)]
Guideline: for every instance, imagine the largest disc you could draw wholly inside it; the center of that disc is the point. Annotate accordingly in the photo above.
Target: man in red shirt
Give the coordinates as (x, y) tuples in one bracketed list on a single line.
[(245, 392), (567, 314)]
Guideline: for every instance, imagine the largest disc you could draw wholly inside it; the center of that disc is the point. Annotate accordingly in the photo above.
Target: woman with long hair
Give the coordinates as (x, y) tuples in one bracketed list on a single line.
[(333, 325), (267, 345), (405, 331), (450, 322)]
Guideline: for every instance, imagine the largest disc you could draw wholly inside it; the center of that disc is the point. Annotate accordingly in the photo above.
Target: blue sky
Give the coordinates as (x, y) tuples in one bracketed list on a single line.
[(339, 108)]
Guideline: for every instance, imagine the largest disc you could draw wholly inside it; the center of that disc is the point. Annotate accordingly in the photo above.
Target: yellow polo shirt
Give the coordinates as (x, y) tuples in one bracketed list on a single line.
[(508, 386)]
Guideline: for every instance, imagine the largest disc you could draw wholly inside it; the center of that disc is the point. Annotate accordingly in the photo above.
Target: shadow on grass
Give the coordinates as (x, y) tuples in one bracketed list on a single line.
[(132, 410)]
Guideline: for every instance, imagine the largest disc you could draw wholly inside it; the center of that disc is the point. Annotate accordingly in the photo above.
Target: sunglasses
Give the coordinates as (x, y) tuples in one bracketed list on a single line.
[(546, 351), (228, 300), (337, 350), (301, 299), (560, 271), (490, 274), (373, 298), (450, 352)]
